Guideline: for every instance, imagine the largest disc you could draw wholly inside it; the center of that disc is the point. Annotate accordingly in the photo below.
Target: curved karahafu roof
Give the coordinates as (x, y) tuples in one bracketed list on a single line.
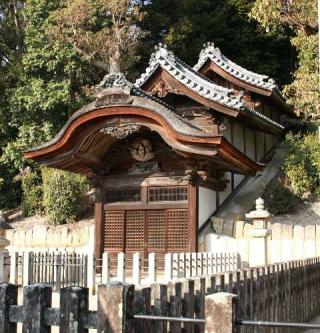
[(211, 58), (164, 65), (119, 110)]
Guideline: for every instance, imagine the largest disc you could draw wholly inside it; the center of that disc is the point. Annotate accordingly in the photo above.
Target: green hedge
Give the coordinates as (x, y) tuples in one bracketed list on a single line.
[(302, 163), (63, 195), (32, 194)]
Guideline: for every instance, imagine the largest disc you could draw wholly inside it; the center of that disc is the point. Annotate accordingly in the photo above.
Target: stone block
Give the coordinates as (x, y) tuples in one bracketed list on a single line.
[(247, 230), (298, 232), (39, 236), (276, 232), (217, 224), (222, 306), (287, 231), (238, 229), (309, 232), (228, 228)]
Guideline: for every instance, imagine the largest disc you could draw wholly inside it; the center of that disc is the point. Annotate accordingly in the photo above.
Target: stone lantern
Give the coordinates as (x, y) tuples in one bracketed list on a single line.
[(258, 251), (3, 227)]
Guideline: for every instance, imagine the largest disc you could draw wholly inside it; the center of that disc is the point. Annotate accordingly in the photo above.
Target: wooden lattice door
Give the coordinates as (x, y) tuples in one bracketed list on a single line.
[(152, 230), (156, 229), (114, 230), (135, 230)]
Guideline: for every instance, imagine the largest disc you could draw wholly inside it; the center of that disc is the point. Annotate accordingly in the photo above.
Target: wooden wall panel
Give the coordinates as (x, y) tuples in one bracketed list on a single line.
[(114, 230)]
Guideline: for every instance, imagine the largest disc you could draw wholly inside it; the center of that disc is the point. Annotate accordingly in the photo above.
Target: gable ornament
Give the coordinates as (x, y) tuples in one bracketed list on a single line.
[(141, 150), (121, 131)]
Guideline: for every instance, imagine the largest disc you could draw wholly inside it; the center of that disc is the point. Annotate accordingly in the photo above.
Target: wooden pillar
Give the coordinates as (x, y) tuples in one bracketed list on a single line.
[(193, 217), (99, 222)]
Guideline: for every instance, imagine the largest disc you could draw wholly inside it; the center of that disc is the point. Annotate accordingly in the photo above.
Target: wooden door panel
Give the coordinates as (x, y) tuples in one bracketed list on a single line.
[(114, 231), (134, 230), (156, 230), (177, 226)]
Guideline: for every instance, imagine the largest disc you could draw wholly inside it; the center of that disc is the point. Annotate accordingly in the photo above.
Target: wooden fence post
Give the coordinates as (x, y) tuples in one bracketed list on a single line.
[(121, 267), (26, 268), (152, 268), (91, 273), (13, 268), (8, 296), (36, 299), (105, 268), (220, 310), (115, 308), (136, 276), (2, 267), (74, 301), (168, 266)]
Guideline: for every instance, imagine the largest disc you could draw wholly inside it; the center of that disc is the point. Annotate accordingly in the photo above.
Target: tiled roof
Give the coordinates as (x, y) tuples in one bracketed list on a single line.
[(165, 59), (141, 99), (214, 54), (198, 83)]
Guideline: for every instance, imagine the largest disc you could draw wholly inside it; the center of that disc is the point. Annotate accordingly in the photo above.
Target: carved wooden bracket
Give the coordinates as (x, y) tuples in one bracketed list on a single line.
[(198, 174), (121, 131), (162, 89)]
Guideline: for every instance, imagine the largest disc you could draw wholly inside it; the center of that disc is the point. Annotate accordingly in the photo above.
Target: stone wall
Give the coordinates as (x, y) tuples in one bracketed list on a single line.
[(79, 238), (286, 242)]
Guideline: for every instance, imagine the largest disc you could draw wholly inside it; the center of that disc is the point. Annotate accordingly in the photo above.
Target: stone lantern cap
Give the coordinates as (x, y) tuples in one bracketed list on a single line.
[(3, 223), (260, 212)]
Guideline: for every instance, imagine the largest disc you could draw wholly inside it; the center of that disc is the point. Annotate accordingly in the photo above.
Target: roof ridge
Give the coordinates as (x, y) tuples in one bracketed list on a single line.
[(214, 54), (189, 77)]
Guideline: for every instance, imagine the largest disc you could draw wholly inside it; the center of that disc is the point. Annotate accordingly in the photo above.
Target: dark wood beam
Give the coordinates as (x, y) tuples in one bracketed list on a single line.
[(193, 217), (99, 221)]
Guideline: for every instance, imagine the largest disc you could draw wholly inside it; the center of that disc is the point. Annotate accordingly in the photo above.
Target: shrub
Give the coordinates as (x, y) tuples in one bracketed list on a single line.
[(32, 193), (63, 195), (302, 162), (281, 200)]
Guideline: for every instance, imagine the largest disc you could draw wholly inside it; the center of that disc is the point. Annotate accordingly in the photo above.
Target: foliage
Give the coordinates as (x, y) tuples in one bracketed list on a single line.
[(185, 25), (32, 198), (103, 31), (302, 162), (28, 136), (279, 199), (301, 18), (63, 195), (52, 76)]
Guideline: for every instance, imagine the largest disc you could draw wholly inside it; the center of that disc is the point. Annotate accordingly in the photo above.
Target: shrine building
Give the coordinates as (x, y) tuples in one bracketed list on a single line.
[(166, 152)]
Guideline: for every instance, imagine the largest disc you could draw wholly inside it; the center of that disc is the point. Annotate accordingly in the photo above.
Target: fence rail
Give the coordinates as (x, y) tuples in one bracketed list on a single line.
[(70, 269), (286, 292), (58, 269)]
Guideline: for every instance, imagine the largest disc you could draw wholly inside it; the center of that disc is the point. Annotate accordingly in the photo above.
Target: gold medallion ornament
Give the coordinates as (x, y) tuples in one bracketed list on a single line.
[(141, 150)]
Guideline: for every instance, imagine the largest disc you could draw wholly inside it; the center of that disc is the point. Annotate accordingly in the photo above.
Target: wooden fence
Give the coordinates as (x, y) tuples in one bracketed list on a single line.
[(58, 270), (281, 292), (70, 269)]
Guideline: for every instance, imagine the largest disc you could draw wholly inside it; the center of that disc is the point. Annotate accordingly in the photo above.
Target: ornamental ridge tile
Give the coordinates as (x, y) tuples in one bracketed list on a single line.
[(190, 78), (164, 58), (214, 54), (144, 100)]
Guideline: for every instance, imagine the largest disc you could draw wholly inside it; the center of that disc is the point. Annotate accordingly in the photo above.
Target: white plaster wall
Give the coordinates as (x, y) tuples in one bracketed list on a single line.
[(227, 132), (260, 145), (238, 139), (224, 194), (250, 150), (207, 204), (238, 179)]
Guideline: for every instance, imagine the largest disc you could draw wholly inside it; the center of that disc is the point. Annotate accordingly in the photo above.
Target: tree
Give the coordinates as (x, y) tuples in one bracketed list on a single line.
[(185, 25), (301, 18), (103, 31)]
